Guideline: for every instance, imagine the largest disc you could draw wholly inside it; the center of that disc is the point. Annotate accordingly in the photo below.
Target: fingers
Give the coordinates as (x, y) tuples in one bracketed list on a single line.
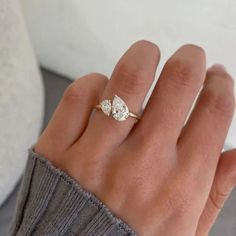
[(202, 139), (176, 89), (71, 115), (224, 182), (131, 80)]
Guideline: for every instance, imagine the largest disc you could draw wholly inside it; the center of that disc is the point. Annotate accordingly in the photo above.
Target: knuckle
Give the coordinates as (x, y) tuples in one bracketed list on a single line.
[(80, 88), (96, 76), (181, 71), (131, 78), (95, 83), (196, 48), (231, 171), (223, 76), (229, 79), (218, 102), (76, 91), (228, 166), (218, 197), (148, 44)]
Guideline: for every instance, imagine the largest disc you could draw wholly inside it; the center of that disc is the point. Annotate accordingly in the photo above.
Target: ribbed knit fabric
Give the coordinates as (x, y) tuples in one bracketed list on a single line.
[(51, 203)]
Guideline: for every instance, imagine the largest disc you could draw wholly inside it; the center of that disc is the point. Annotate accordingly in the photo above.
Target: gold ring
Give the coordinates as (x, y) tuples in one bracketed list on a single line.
[(117, 108)]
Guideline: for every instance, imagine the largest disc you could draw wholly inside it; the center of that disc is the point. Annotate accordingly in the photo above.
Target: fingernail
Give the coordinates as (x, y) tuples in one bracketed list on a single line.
[(219, 67)]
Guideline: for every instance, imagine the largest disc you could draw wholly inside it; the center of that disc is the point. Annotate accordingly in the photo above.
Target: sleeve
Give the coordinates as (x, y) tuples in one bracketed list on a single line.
[(51, 203)]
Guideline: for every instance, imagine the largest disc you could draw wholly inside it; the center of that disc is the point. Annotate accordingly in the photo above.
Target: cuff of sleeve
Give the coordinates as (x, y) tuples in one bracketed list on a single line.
[(51, 203)]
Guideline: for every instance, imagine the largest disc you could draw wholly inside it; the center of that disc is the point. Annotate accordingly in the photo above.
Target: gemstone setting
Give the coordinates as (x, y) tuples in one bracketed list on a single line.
[(117, 108), (106, 107), (120, 110)]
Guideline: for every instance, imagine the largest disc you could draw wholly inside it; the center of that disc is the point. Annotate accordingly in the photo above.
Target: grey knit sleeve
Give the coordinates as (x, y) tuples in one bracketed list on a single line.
[(51, 203)]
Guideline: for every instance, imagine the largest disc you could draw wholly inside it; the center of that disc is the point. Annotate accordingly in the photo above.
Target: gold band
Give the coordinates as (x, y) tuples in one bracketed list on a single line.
[(134, 116), (131, 114)]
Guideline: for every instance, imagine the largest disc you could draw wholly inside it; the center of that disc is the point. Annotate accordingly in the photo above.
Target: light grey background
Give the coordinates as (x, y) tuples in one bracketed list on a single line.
[(75, 37), (54, 87)]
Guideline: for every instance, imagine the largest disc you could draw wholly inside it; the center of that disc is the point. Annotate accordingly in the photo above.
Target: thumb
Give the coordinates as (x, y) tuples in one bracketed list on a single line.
[(223, 184)]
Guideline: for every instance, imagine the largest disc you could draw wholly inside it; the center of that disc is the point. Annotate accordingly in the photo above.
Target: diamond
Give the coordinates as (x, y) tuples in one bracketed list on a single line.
[(120, 111), (106, 107)]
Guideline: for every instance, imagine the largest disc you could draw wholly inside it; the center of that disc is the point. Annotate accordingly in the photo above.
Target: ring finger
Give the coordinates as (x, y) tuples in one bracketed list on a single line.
[(130, 80)]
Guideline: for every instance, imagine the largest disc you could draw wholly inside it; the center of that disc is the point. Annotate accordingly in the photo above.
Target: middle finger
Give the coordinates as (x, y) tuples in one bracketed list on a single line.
[(173, 95)]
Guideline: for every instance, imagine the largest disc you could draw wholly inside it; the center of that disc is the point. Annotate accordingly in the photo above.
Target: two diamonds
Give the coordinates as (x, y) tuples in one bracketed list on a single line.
[(117, 108)]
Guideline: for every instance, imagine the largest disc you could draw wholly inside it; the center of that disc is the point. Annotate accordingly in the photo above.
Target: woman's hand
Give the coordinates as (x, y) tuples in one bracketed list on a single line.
[(161, 175)]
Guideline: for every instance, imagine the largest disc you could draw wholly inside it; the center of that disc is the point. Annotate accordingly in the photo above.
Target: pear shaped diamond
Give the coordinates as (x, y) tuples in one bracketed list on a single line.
[(106, 107), (120, 111)]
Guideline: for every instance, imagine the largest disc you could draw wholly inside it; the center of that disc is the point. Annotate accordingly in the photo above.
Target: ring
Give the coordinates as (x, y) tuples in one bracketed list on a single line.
[(117, 108)]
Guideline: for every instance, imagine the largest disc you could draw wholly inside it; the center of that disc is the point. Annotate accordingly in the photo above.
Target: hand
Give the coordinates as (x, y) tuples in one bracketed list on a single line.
[(161, 175)]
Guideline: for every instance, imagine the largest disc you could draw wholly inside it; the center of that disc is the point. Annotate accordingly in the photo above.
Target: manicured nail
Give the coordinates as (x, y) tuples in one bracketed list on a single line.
[(219, 67)]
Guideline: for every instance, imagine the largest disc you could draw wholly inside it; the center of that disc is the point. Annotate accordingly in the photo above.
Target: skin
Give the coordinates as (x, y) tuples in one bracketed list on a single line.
[(162, 175)]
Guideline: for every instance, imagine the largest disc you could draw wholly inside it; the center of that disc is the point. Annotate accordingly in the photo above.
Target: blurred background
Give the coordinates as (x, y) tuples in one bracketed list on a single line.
[(45, 45)]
